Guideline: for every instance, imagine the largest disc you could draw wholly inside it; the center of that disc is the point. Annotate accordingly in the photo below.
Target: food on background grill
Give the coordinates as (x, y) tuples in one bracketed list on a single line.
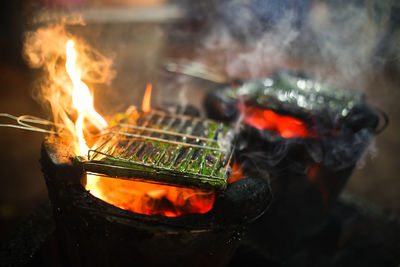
[(298, 94), (293, 94), (164, 148)]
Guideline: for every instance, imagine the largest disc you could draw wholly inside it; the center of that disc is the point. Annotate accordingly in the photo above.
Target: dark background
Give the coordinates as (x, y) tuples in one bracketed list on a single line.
[(137, 49)]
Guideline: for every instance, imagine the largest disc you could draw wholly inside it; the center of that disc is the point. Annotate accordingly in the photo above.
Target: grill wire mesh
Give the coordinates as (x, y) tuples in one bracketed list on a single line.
[(164, 148)]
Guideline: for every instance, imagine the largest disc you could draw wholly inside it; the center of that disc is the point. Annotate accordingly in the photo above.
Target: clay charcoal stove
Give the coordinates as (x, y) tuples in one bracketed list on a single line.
[(92, 232), (307, 135)]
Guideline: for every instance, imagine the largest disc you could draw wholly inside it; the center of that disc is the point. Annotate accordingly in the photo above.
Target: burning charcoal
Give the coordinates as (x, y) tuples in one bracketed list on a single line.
[(308, 135), (286, 92), (205, 225)]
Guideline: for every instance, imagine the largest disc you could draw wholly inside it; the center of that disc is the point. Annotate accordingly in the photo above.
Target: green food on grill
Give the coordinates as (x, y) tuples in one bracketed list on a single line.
[(296, 94), (164, 148)]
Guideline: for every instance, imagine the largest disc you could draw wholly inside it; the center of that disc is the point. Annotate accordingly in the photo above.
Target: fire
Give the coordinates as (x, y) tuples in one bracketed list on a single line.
[(72, 106), (139, 197), (155, 199), (150, 199), (265, 119), (146, 107), (237, 173), (82, 101)]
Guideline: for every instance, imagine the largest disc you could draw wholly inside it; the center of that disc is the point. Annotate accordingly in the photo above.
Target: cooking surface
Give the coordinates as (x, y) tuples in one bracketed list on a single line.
[(165, 148), (298, 94)]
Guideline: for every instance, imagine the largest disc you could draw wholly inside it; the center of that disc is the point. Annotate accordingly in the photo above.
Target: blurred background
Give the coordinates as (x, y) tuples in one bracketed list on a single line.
[(354, 44)]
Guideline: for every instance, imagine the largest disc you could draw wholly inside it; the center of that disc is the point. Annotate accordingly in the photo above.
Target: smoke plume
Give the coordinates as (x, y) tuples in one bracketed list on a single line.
[(44, 48)]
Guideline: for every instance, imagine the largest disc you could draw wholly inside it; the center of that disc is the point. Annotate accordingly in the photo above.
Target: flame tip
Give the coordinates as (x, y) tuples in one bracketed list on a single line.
[(146, 107)]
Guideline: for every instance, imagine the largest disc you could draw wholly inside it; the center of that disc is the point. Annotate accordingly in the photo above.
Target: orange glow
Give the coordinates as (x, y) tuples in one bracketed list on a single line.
[(313, 171), (139, 197), (265, 119), (314, 174), (237, 173), (150, 199), (146, 107), (82, 101)]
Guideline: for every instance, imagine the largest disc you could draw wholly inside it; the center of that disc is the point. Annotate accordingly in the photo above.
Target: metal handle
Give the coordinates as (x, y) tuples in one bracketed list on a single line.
[(381, 115), (24, 122)]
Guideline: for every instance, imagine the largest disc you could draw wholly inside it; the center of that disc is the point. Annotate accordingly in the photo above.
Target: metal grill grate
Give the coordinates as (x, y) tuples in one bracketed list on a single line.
[(164, 148)]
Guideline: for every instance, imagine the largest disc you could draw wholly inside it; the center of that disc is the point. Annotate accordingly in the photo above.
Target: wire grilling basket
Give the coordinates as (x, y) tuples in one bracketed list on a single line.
[(164, 148)]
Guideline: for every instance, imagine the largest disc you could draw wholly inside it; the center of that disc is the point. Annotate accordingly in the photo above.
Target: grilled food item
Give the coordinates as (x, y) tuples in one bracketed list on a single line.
[(164, 148), (294, 94), (298, 94)]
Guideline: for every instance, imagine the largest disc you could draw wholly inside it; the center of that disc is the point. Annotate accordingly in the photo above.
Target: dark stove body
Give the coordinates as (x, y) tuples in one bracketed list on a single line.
[(306, 174), (303, 193), (94, 233)]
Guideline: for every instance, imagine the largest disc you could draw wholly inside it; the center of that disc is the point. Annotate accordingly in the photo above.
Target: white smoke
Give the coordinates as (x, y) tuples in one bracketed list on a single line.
[(346, 39), (371, 152), (44, 48), (336, 42), (259, 55), (339, 42)]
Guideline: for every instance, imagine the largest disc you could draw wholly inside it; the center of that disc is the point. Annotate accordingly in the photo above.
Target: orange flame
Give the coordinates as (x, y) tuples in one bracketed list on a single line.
[(237, 173), (139, 197), (68, 95), (82, 100), (150, 199), (147, 99)]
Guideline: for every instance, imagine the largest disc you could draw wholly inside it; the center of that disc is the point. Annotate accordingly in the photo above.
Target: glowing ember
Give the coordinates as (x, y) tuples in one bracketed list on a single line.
[(150, 199), (237, 173), (265, 119), (146, 107)]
